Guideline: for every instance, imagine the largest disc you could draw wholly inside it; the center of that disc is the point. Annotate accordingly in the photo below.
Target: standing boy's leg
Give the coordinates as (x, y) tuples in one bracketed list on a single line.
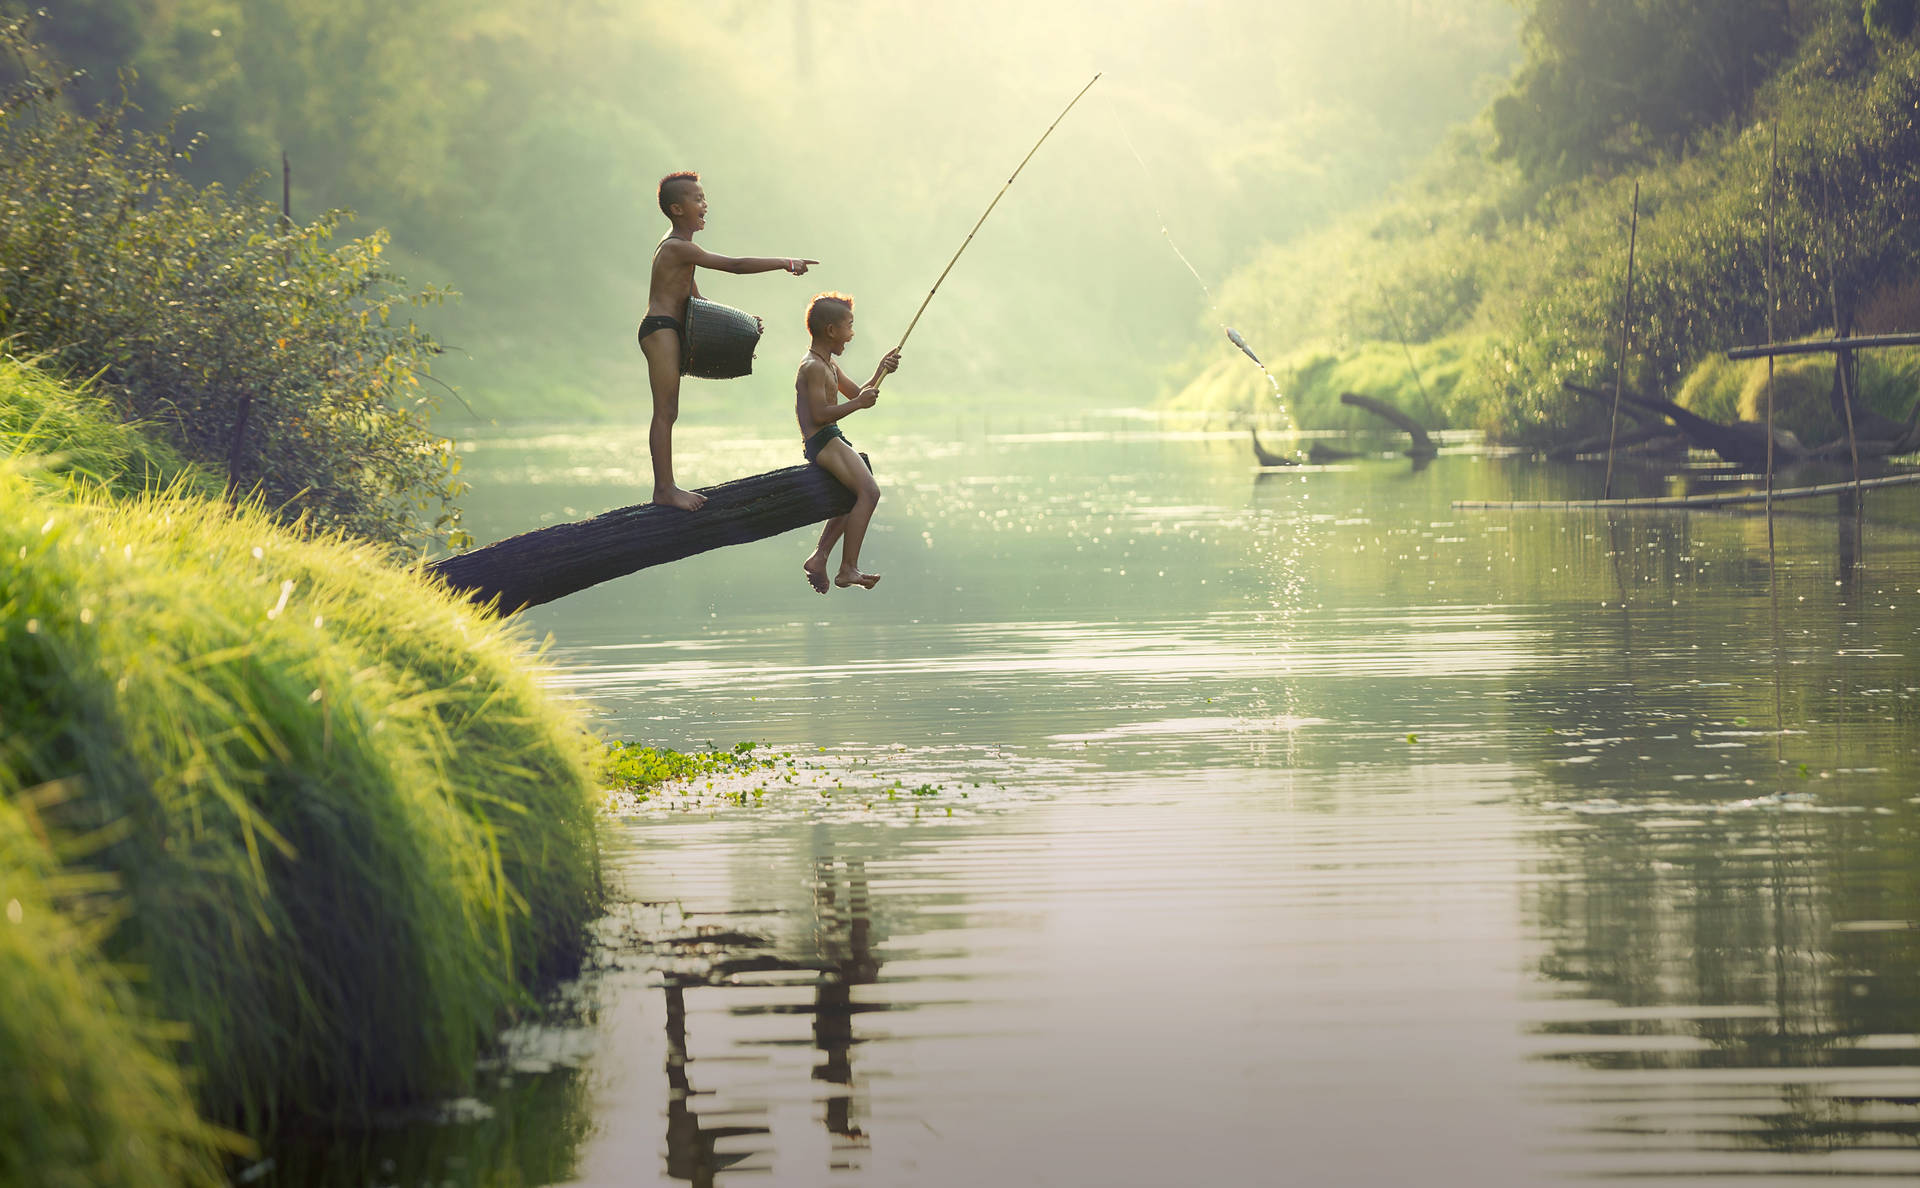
[(844, 464), (816, 565), (662, 348)]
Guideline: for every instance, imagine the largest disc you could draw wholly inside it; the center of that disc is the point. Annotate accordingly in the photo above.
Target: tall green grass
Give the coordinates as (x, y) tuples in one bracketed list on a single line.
[(352, 833), (88, 1094)]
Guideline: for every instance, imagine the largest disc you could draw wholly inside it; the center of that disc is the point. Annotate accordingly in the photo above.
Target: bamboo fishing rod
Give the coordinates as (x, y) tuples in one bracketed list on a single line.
[(989, 210)]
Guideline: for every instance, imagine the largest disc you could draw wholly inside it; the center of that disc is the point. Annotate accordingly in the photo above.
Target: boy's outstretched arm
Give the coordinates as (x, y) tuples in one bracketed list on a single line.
[(699, 257), (824, 405)]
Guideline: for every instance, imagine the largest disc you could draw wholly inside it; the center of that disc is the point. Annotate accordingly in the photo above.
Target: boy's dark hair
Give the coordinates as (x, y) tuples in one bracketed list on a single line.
[(673, 187), (826, 309)]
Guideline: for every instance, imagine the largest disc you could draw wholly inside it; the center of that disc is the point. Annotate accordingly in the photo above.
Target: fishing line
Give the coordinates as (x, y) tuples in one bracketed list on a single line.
[(1233, 336)]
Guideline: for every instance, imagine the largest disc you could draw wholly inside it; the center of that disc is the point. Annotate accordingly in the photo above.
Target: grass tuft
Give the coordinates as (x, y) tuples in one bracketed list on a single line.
[(352, 833)]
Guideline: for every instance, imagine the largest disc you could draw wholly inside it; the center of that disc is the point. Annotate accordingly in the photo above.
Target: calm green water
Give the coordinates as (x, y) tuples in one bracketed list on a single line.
[(1242, 829)]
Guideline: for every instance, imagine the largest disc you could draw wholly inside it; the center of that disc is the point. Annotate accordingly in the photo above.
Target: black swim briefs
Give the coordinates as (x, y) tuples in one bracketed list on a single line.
[(819, 441), (654, 322)]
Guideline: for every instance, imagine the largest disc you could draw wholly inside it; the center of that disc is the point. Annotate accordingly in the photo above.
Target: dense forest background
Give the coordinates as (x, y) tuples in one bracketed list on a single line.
[(512, 149)]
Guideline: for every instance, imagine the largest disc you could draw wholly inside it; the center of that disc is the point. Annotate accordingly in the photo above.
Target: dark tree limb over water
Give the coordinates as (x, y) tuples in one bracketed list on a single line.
[(1743, 443), (548, 563), (1421, 447)]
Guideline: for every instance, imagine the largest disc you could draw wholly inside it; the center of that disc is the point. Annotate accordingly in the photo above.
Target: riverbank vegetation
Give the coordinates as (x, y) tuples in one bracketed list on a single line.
[(286, 832), (1500, 269), (275, 354)]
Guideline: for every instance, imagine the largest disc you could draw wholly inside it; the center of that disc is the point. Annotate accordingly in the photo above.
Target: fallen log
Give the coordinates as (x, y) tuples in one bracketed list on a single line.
[(547, 563), (1743, 443), (1422, 445)]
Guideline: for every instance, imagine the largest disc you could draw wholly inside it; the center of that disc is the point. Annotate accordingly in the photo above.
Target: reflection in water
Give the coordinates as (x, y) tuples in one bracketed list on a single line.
[(1163, 825), (838, 956)]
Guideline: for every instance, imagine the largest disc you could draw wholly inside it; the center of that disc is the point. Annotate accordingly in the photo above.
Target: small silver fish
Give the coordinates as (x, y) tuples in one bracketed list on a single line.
[(1233, 336)]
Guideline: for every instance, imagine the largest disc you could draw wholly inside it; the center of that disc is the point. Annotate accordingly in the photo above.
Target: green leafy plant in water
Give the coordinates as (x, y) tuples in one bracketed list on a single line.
[(642, 770)]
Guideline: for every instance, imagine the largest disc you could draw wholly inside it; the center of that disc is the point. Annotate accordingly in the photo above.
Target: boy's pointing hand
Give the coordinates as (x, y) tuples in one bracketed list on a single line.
[(798, 266)]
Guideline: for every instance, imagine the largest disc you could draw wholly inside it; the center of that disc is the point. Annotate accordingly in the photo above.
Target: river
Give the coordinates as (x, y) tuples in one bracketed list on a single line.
[(1155, 822)]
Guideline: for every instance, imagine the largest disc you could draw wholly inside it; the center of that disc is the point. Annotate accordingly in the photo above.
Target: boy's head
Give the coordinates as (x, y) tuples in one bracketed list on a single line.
[(830, 316), (683, 190)]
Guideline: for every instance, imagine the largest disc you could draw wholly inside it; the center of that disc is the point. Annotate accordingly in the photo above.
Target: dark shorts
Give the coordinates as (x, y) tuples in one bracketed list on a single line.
[(654, 322), (819, 441)]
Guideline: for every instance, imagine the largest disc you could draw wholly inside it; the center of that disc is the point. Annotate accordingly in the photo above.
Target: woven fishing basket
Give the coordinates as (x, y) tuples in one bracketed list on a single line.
[(719, 341)]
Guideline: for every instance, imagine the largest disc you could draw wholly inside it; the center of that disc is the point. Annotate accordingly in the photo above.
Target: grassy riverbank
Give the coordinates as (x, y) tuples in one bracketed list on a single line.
[(285, 832)]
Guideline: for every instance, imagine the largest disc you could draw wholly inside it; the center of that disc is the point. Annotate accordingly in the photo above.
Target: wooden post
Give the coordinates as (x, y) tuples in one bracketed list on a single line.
[(1620, 361), (548, 563), (1773, 173)]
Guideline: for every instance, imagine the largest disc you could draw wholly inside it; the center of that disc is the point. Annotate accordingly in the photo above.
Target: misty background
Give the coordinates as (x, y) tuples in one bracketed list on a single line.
[(513, 149)]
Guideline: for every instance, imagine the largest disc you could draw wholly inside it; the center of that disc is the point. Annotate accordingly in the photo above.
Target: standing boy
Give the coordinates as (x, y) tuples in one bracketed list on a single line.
[(684, 202), (817, 391)]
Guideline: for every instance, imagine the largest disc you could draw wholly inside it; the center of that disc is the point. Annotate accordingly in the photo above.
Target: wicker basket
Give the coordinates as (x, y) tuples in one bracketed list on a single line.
[(719, 341)]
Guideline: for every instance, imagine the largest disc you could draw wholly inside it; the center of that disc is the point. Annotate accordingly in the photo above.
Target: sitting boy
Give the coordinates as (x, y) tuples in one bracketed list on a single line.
[(684, 202), (817, 390)]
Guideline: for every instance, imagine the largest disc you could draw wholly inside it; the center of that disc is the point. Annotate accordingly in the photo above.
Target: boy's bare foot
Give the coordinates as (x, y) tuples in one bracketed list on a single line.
[(853, 577), (677, 497), (816, 571)]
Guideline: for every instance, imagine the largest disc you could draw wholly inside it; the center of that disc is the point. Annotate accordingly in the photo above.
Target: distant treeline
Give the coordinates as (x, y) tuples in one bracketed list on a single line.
[(1500, 269), (511, 150)]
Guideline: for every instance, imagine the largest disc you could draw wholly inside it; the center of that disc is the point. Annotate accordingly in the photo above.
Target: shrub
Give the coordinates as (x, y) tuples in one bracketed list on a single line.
[(263, 350)]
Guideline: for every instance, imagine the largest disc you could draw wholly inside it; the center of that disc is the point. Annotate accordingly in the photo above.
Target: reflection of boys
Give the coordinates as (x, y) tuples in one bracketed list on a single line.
[(818, 387), (684, 202)]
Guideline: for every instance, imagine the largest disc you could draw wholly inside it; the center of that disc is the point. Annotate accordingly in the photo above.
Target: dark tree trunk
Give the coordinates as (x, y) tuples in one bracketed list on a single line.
[(1422, 445), (548, 563)]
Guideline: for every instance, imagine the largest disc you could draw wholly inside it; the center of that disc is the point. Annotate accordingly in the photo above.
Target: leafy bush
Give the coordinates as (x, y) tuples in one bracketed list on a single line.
[(266, 351)]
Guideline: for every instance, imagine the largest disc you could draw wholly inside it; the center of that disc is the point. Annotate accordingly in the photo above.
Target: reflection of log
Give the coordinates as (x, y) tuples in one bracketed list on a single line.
[(1267, 457), (548, 563), (1743, 443), (1422, 445)]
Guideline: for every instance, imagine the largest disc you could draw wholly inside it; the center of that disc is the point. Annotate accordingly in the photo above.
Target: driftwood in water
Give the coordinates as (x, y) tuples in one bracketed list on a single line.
[(1265, 456), (1743, 443), (1422, 445), (548, 563)]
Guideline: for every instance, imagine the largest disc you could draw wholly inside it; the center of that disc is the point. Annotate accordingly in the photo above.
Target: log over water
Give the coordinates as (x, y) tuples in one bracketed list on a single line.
[(547, 563), (1421, 447)]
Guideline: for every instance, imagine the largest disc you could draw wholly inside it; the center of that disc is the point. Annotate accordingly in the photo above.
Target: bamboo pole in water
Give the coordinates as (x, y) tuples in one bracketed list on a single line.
[(1730, 499), (989, 210), (1774, 350), (1620, 362)]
